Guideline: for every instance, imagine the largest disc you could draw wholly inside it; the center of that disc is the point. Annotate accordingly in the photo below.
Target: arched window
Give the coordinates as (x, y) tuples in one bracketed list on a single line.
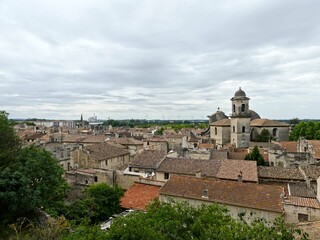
[(234, 108), (243, 129), (274, 132), (243, 108), (215, 131)]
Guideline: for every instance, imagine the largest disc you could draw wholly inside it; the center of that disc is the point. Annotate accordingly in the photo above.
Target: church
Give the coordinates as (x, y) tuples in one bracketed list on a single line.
[(243, 125)]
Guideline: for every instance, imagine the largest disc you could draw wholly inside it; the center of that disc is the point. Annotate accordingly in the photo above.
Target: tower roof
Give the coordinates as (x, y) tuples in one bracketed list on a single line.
[(240, 95)]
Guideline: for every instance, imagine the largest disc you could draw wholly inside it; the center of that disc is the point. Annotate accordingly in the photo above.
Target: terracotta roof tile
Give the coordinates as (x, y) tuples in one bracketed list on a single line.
[(222, 123), (251, 195), (148, 159), (312, 172), (206, 145), (230, 169), (139, 195), (290, 146), (104, 151), (316, 148), (189, 166), (304, 202), (224, 169), (126, 141), (267, 123), (288, 173)]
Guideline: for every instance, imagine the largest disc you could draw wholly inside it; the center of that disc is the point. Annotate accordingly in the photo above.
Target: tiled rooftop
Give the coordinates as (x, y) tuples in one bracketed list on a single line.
[(289, 146), (148, 159), (304, 202), (267, 123), (221, 123), (126, 141), (224, 169), (280, 173), (312, 171), (138, 196), (189, 166), (316, 148), (251, 195), (104, 151), (230, 169)]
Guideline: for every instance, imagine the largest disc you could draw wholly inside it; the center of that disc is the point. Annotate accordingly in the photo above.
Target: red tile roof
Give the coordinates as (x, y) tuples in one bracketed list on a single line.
[(303, 202), (290, 146), (230, 169), (139, 195), (250, 195)]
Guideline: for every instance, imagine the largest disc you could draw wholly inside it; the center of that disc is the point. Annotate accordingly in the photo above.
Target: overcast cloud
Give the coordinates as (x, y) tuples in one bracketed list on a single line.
[(158, 59)]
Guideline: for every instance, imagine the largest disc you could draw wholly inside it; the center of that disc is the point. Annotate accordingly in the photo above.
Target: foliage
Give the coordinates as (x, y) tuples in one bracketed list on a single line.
[(181, 221), (142, 123), (9, 142), (255, 155), (30, 178), (264, 136), (308, 130), (85, 232), (159, 131), (100, 202), (52, 229), (29, 123), (294, 121)]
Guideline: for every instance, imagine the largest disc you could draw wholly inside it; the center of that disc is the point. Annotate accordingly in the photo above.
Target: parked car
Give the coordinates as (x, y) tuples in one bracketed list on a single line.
[(107, 224)]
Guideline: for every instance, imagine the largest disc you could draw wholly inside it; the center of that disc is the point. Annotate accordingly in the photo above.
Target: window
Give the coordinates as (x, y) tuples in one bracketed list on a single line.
[(234, 108), (95, 179), (243, 108), (166, 175), (215, 131), (303, 217), (243, 129), (234, 129), (274, 132)]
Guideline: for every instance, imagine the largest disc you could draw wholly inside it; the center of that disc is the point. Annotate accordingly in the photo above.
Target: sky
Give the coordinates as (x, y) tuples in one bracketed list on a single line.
[(158, 59)]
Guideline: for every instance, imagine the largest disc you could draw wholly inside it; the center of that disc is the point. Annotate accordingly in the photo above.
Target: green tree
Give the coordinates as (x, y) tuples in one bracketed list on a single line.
[(182, 221), (308, 130), (100, 202), (10, 144), (255, 155), (159, 131), (30, 178), (264, 136)]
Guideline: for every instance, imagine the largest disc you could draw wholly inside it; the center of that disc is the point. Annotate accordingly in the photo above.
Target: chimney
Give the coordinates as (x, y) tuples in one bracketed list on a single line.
[(240, 177)]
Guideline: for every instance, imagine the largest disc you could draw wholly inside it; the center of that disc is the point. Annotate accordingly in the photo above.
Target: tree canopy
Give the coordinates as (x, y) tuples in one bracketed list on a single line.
[(255, 155), (181, 221), (308, 130), (99, 203), (30, 177)]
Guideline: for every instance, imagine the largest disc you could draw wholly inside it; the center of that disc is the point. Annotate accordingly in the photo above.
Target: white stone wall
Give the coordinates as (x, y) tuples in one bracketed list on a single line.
[(291, 213), (239, 138)]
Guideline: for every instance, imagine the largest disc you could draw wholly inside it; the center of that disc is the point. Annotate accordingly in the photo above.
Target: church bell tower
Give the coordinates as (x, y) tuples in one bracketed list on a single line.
[(240, 120)]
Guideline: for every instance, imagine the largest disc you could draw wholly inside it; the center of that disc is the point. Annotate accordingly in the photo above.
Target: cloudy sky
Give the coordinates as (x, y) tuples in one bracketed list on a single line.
[(158, 59)]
